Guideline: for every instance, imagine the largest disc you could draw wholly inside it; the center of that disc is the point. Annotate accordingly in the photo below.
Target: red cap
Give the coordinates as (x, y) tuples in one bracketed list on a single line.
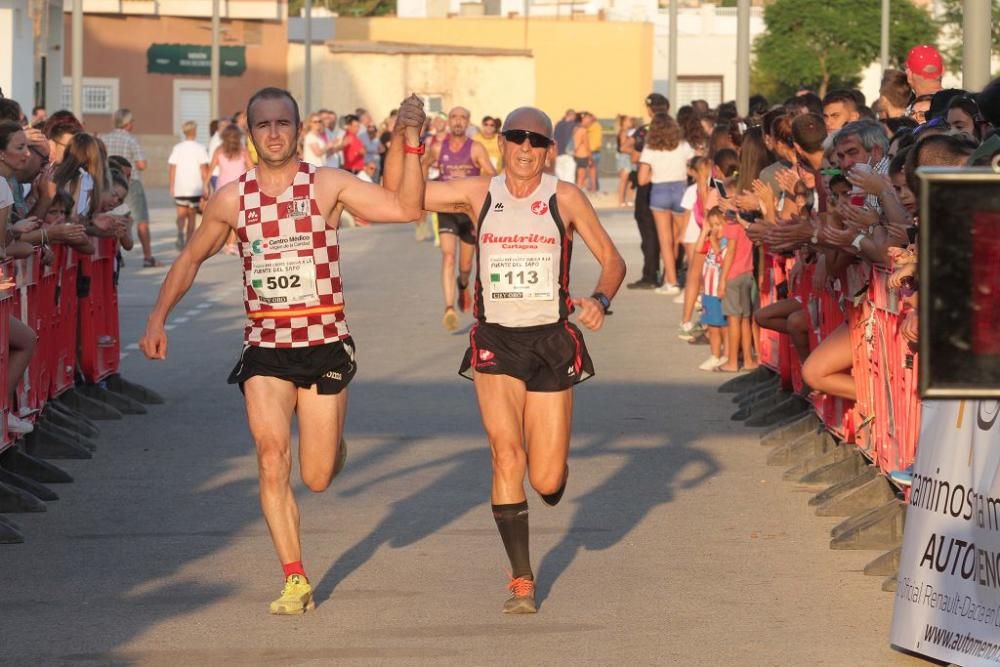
[(925, 61)]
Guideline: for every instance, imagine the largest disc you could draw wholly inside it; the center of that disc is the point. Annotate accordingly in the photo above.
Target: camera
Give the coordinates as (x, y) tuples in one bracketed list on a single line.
[(959, 281)]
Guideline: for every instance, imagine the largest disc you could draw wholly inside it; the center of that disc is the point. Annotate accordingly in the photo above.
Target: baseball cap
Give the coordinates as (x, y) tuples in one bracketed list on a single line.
[(925, 60)]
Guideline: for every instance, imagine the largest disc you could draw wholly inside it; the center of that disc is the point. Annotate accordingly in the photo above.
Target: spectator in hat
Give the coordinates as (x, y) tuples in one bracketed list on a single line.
[(924, 69)]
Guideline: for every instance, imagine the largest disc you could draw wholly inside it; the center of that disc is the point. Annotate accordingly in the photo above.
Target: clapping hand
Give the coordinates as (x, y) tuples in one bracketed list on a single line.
[(787, 179), (869, 181)]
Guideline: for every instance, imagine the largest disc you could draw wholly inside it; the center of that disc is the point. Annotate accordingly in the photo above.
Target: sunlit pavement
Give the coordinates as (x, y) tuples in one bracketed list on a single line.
[(674, 544)]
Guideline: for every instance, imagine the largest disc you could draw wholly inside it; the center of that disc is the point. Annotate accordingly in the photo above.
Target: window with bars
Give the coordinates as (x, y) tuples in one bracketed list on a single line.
[(100, 96)]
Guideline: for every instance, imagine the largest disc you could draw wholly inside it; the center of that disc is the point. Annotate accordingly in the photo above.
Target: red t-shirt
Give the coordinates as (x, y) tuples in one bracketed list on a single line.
[(354, 153), (743, 259)]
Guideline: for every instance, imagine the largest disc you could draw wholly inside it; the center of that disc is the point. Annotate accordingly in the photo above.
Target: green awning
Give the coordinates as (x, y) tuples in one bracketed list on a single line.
[(193, 59)]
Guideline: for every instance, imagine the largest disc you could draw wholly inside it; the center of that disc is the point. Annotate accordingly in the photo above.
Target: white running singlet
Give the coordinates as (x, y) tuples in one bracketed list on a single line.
[(524, 256)]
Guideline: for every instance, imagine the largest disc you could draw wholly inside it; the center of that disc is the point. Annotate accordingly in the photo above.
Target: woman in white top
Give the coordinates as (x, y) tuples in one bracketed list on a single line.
[(314, 144), (664, 163)]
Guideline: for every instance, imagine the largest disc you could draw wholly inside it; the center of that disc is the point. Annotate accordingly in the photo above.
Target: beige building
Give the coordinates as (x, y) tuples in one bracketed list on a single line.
[(377, 75), (603, 66)]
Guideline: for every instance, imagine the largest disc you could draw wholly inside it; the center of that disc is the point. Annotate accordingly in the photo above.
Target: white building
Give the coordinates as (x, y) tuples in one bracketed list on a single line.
[(31, 62)]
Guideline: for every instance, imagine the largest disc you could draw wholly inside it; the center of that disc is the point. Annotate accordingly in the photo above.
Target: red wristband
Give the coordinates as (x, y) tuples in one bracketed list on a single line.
[(414, 150)]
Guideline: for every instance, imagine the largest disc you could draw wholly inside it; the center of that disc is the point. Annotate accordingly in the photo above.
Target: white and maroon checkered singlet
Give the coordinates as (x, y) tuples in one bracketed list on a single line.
[(291, 266)]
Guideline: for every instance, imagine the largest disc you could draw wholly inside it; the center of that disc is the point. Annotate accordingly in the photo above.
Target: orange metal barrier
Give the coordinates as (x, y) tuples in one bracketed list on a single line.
[(884, 422)]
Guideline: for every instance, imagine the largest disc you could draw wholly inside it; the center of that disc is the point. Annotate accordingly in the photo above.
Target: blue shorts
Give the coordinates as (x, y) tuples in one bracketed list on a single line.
[(667, 196), (623, 161), (712, 315)]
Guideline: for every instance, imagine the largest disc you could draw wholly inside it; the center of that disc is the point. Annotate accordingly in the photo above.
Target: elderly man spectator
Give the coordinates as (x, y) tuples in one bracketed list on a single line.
[(924, 69), (121, 141)]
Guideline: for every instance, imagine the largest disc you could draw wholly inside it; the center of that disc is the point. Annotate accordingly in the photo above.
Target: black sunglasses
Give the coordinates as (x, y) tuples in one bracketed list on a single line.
[(518, 137)]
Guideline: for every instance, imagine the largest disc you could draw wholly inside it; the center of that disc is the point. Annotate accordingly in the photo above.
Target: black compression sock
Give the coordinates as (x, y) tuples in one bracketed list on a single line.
[(512, 522), (553, 499)]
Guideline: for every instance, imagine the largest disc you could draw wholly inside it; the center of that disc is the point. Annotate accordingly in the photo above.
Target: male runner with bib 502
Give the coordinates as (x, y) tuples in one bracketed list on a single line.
[(524, 355), (298, 356), (457, 157)]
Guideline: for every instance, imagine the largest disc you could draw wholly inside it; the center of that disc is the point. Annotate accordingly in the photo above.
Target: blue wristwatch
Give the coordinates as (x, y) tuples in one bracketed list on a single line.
[(602, 299)]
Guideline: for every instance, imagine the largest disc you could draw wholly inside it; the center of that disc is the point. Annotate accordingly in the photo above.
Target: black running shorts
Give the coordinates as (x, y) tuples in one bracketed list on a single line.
[(458, 224), (330, 367), (550, 357)]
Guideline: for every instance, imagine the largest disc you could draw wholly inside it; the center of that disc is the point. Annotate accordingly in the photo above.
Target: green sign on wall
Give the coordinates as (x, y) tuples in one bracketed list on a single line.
[(195, 60)]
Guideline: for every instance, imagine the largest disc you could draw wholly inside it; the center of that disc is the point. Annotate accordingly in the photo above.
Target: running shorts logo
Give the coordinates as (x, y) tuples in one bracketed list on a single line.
[(485, 355), (333, 375), (571, 370), (539, 208)]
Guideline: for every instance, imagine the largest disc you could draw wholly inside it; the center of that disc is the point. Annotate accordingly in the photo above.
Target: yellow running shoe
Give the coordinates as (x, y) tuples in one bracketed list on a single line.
[(296, 596), (450, 320)]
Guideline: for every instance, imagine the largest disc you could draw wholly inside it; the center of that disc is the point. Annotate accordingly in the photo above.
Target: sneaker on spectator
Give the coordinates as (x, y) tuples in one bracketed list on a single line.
[(710, 363), (641, 284), (903, 478), (17, 425), (690, 331), (679, 298), (668, 289)]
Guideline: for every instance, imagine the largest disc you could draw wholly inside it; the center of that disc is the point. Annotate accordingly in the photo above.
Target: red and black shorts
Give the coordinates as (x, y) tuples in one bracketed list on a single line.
[(330, 367), (458, 224), (550, 357)]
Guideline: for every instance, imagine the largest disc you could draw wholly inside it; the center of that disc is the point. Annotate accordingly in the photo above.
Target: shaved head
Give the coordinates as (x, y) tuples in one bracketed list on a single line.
[(529, 118)]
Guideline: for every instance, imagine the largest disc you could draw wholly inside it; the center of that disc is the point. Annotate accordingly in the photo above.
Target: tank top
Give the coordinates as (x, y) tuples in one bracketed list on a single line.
[(524, 254), (229, 169), (291, 266), (457, 164)]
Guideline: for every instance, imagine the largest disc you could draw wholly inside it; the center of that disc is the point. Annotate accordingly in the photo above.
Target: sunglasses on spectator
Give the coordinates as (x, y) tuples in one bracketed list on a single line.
[(518, 137)]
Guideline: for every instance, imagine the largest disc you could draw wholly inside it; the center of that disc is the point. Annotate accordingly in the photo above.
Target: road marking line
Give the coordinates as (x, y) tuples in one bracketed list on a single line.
[(170, 327), (132, 346), (179, 320)]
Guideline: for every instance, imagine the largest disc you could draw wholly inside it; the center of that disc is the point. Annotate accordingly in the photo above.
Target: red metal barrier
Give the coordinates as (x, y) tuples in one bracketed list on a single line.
[(100, 347), (26, 308), (6, 310), (65, 328)]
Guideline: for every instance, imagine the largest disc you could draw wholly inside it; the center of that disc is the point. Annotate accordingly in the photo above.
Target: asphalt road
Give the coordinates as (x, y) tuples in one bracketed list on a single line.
[(674, 544)]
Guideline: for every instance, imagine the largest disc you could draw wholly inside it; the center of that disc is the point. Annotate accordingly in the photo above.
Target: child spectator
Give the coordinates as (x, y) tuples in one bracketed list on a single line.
[(736, 288), (712, 318)]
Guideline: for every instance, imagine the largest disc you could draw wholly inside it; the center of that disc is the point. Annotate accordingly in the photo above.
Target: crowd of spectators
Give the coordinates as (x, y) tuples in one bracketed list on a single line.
[(58, 186), (829, 181)]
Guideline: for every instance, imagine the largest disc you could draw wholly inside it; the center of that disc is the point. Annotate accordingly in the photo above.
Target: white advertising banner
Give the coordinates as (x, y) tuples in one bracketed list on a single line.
[(948, 594)]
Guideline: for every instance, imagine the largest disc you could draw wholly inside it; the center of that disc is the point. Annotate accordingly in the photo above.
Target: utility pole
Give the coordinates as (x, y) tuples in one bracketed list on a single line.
[(743, 58), (213, 102), (76, 58), (672, 57), (307, 95), (884, 59), (976, 45)]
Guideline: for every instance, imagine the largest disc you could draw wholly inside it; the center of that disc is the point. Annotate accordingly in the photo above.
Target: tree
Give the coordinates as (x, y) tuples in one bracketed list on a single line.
[(951, 22), (825, 44)]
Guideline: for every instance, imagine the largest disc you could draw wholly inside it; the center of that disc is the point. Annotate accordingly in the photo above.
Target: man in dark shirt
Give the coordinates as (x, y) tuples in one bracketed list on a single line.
[(563, 133), (650, 243)]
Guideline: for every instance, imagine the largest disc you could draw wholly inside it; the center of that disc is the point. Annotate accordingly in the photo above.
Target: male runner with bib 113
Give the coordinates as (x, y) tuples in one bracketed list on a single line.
[(524, 355), (298, 356), (457, 157)]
